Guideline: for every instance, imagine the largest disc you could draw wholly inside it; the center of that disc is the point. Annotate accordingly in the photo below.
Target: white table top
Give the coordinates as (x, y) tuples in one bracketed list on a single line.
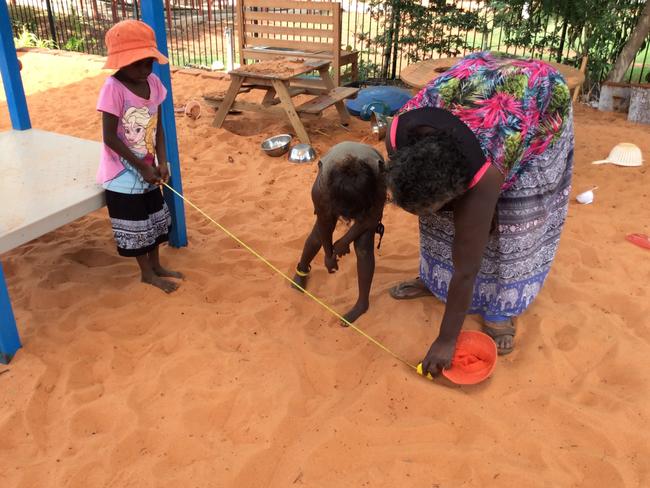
[(46, 180)]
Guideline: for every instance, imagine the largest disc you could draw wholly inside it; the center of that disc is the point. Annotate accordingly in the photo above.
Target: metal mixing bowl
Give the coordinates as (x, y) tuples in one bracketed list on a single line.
[(277, 145), (302, 153)]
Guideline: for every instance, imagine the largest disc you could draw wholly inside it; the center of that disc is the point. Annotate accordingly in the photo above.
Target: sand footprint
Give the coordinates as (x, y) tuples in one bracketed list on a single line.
[(80, 375), (93, 258), (92, 420), (566, 338), (589, 256)]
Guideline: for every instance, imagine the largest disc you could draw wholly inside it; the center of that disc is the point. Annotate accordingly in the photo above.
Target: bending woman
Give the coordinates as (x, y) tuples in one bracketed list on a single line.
[(484, 156)]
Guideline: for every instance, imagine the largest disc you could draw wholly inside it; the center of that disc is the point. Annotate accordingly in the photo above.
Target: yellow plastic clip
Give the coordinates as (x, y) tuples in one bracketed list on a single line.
[(419, 370)]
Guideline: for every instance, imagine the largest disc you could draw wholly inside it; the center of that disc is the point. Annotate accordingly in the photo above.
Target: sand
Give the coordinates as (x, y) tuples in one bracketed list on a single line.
[(238, 381)]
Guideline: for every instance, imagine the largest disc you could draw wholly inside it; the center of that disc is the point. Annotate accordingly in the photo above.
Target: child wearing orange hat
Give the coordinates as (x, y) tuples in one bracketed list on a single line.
[(134, 162)]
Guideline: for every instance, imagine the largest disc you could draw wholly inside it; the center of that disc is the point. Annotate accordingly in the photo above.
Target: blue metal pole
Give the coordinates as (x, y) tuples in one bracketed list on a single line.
[(153, 14), (9, 340), (11, 73)]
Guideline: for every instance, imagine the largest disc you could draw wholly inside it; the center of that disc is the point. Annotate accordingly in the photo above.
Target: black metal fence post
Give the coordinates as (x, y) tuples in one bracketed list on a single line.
[(50, 18)]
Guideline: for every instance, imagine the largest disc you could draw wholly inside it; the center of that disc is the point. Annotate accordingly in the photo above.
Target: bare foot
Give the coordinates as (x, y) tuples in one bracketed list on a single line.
[(165, 285), (357, 311), (167, 273)]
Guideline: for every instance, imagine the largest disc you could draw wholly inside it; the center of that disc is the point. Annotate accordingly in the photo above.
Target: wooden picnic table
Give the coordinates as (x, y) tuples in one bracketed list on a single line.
[(418, 75), (280, 78)]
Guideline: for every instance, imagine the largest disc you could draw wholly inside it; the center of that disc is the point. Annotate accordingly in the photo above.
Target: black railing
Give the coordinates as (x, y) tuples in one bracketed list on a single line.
[(202, 33)]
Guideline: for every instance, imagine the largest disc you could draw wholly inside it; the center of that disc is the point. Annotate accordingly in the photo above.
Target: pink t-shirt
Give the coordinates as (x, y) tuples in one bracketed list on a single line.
[(138, 120)]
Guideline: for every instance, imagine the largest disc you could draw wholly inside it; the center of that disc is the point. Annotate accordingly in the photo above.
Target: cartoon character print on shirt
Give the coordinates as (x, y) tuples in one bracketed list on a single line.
[(140, 131), (140, 134)]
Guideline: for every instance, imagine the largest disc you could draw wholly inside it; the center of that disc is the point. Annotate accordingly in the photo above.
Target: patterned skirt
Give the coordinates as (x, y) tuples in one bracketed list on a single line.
[(140, 221), (530, 215)]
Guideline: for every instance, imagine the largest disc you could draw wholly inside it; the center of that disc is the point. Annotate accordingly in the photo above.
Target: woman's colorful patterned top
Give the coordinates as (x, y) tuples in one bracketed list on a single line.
[(515, 107)]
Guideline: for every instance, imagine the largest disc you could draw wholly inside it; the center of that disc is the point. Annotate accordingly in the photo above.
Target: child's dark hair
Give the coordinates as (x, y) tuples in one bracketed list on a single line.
[(354, 188), (430, 170)]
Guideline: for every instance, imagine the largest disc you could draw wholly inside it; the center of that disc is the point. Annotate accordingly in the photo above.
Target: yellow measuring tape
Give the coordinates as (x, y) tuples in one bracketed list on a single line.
[(286, 277)]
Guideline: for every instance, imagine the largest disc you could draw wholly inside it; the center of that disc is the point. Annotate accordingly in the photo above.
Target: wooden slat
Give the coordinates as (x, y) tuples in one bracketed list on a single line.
[(219, 95), (321, 102), (344, 115), (291, 4), (243, 106), (259, 53), (312, 87), (285, 17), (261, 41), (336, 62), (289, 31), (271, 99), (271, 53), (229, 98), (241, 40), (310, 84), (277, 69), (285, 102)]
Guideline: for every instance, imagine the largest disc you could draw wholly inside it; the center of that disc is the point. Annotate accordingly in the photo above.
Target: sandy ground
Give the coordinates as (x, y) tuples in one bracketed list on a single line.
[(238, 381)]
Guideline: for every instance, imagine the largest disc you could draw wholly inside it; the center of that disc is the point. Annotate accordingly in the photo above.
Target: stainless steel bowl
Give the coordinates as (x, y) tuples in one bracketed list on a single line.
[(277, 145), (302, 153)]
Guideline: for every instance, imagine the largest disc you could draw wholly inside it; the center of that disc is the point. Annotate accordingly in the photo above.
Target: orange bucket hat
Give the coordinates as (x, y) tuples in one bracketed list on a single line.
[(473, 361), (130, 41)]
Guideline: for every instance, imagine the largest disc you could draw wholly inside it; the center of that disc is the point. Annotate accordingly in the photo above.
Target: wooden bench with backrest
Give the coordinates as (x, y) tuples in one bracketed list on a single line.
[(295, 28)]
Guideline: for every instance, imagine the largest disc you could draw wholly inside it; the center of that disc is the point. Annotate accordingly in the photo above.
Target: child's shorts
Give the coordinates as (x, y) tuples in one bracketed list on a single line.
[(140, 221)]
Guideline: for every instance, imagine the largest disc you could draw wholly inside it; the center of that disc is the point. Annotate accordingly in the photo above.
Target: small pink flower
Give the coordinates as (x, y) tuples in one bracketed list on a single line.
[(537, 147), (470, 117), (497, 109), (535, 69), (466, 68)]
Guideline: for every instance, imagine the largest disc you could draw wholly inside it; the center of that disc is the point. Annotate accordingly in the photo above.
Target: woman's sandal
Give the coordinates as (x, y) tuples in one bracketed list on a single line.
[(408, 290), (501, 329)]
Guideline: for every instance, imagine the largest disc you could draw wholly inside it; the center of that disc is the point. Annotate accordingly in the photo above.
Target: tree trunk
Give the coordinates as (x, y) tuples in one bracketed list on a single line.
[(632, 46), (640, 104)]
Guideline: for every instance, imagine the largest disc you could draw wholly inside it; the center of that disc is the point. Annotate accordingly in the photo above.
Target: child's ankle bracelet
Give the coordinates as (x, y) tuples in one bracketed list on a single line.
[(303, 273)]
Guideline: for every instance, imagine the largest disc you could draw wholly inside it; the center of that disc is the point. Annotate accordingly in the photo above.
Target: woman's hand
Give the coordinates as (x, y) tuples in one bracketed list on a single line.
[(341, 248), (439, 357)]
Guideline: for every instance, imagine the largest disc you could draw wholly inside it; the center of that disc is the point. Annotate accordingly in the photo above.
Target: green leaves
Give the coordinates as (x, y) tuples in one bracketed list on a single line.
[(560, 98), (515, 85), (565, 30), (513, 149), (420, 29), (449, 91)]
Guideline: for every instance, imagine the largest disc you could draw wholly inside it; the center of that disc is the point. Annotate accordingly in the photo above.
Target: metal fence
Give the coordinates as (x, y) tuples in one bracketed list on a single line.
[(201, 33)]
